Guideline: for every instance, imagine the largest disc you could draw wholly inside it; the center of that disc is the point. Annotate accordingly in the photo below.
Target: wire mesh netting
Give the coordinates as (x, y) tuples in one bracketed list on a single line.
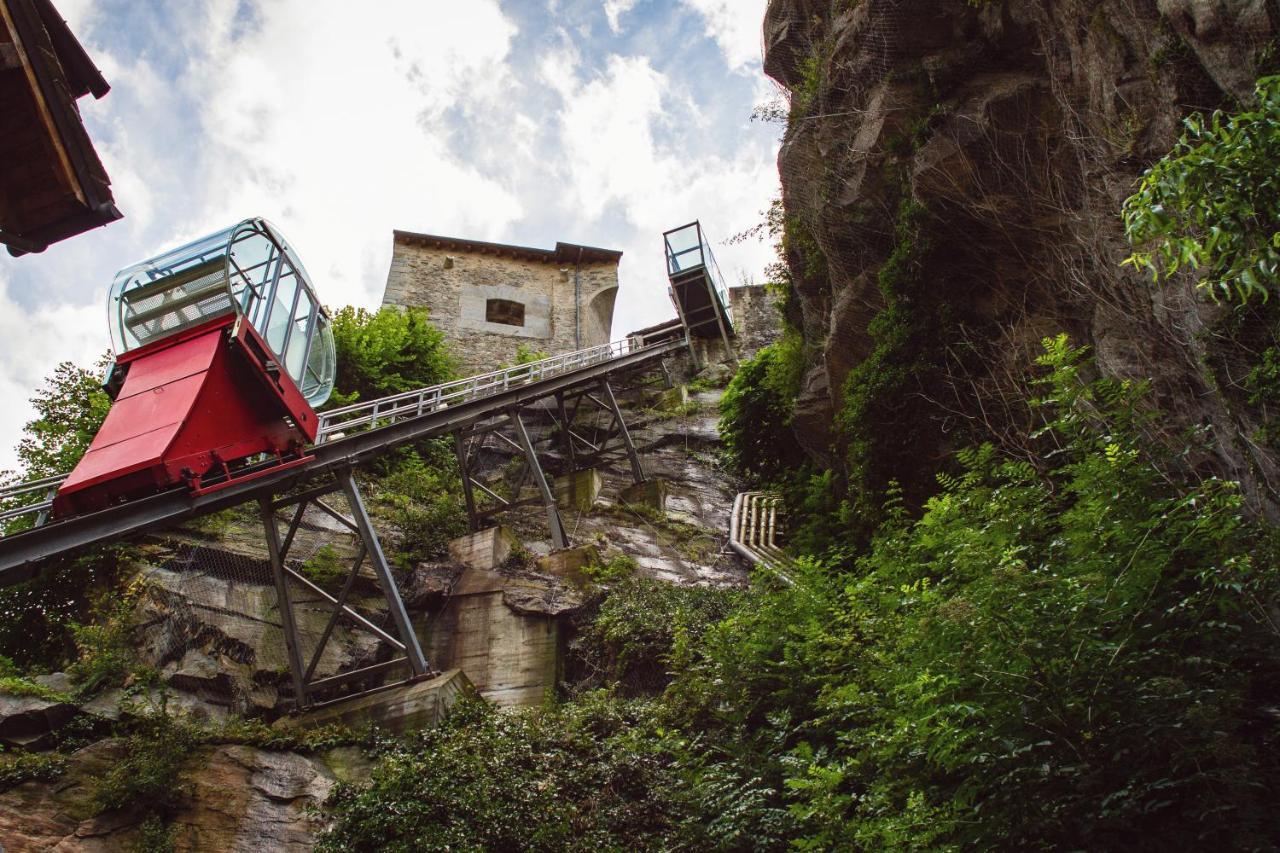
[(212, 618)]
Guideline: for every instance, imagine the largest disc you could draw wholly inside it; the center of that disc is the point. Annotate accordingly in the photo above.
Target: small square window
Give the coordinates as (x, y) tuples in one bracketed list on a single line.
[(504, 311)]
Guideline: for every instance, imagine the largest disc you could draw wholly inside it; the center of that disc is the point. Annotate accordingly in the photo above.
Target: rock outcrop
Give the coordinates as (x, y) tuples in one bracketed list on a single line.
[(239, 798), (1018, 128)]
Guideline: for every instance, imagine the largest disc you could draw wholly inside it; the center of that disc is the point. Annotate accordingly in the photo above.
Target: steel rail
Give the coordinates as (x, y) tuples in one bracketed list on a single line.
[(21, 552)]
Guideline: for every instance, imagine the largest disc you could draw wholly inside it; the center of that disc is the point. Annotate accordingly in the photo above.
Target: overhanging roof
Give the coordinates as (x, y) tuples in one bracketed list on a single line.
[(563, 253), (52, 184)]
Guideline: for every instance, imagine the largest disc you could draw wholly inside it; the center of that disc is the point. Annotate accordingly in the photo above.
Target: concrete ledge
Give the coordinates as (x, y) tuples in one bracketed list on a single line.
[(400, 709), (483, 550), (567, 563), (578, 489), (650, 493)]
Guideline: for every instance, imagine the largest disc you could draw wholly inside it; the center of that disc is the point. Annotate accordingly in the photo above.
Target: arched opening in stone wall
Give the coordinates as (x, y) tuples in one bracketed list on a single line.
[(598, 318)]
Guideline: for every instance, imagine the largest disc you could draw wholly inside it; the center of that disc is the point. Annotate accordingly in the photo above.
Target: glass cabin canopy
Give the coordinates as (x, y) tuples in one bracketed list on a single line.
[(248, 269)]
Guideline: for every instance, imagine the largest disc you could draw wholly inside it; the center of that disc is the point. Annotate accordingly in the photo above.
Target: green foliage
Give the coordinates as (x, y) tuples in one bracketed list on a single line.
[(17, 767), (155, 836), (756, 410), (642, 624), (1212, 205), (254, 732), (105, 652), (16, 685), (526, 354), (586, 777), (149, 774), (37, 617), (420, 495), (887, 421), (69, 409), (616, 568), (1068, 657), (325, 568), (389, 351)]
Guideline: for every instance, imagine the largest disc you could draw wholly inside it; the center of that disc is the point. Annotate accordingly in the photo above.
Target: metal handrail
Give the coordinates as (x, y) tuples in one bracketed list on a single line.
[(754, 528), (410, 404)]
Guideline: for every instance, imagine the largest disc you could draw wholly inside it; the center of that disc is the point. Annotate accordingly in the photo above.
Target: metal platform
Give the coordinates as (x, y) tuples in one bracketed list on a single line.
[(697, 287)]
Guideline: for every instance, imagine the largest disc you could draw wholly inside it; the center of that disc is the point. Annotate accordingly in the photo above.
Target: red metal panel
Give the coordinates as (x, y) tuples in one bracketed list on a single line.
[(191, 406)]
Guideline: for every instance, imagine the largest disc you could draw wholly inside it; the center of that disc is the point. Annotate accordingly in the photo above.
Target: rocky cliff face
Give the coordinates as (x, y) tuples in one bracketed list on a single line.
[(985, 148)]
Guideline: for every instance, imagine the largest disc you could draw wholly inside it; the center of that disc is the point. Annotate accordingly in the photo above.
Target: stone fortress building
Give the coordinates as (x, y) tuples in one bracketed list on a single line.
[(491, 298)]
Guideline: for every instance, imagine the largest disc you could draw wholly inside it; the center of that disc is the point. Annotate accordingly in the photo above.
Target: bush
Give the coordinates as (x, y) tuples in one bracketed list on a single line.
[(388, 351), (642, 624), (586, 777), (1211, 205), (755, 414), (149, 774), (420, 495), (1068, 657)]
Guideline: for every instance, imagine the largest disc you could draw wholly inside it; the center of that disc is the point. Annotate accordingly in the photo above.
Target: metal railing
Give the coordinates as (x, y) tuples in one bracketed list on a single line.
[(36, 496), (754, 528), (384, 411), (15, 500)]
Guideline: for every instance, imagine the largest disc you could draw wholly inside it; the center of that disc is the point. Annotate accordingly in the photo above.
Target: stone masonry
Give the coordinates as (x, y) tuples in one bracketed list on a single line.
[(756, 320), (490, 298)]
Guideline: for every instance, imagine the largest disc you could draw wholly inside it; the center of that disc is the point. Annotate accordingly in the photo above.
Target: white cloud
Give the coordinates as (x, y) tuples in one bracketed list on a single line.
[(413, 115), (614, 9), (736, 27), (35, 341), (610, 130)]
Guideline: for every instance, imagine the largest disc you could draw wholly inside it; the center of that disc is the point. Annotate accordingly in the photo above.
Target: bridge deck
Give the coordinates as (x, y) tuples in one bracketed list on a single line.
[(348, 437)]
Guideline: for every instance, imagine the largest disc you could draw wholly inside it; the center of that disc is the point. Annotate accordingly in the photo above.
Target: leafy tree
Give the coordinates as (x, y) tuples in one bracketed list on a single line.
[(70, 408), (1212, 204), (755, 413), (388, 351)]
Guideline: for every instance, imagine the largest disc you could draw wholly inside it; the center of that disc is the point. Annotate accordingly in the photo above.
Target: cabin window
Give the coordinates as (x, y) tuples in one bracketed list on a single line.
[(504, 311)]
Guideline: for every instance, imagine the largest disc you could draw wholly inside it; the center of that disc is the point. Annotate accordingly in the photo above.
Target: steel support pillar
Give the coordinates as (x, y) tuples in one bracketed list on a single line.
[(559, 537), (464, 468), (637, 470), (688, 333), (305, 685), (417, 662), (716, 307)]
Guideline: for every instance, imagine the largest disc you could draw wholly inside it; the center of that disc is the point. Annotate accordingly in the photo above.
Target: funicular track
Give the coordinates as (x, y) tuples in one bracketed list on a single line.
[(348, 437)]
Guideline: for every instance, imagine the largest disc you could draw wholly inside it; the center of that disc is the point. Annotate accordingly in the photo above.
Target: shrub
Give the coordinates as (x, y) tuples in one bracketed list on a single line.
[(1211, 204), (149, 774), (420, 495), (586, 777), (1068, 657), (388, 351), (643, 623), (18, 767), (755, 413)]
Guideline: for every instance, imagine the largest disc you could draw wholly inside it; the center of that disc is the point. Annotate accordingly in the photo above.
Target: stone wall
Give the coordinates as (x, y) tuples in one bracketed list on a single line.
[(755, 318), (456, 284)]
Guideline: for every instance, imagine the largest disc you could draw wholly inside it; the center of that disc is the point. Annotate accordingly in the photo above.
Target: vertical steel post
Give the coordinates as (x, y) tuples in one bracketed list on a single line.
[(637, 470), (559, 538), (718, 309), (460, 447), (378, 561), (684, 321), (284, 601), (565, 435)]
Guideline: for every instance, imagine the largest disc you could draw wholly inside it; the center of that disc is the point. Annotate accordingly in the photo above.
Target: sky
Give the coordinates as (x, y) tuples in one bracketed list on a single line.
[(602, 122)]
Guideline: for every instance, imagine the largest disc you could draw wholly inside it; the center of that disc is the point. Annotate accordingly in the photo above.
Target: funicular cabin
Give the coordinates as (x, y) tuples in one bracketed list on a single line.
[(222, 353)]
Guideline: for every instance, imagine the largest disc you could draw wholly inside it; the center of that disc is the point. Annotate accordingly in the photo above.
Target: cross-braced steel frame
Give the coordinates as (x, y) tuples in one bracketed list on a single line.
[(483, 502), (305, 684)]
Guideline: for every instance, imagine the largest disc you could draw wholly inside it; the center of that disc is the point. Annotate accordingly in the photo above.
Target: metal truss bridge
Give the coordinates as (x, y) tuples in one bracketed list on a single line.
[(468, 409)]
